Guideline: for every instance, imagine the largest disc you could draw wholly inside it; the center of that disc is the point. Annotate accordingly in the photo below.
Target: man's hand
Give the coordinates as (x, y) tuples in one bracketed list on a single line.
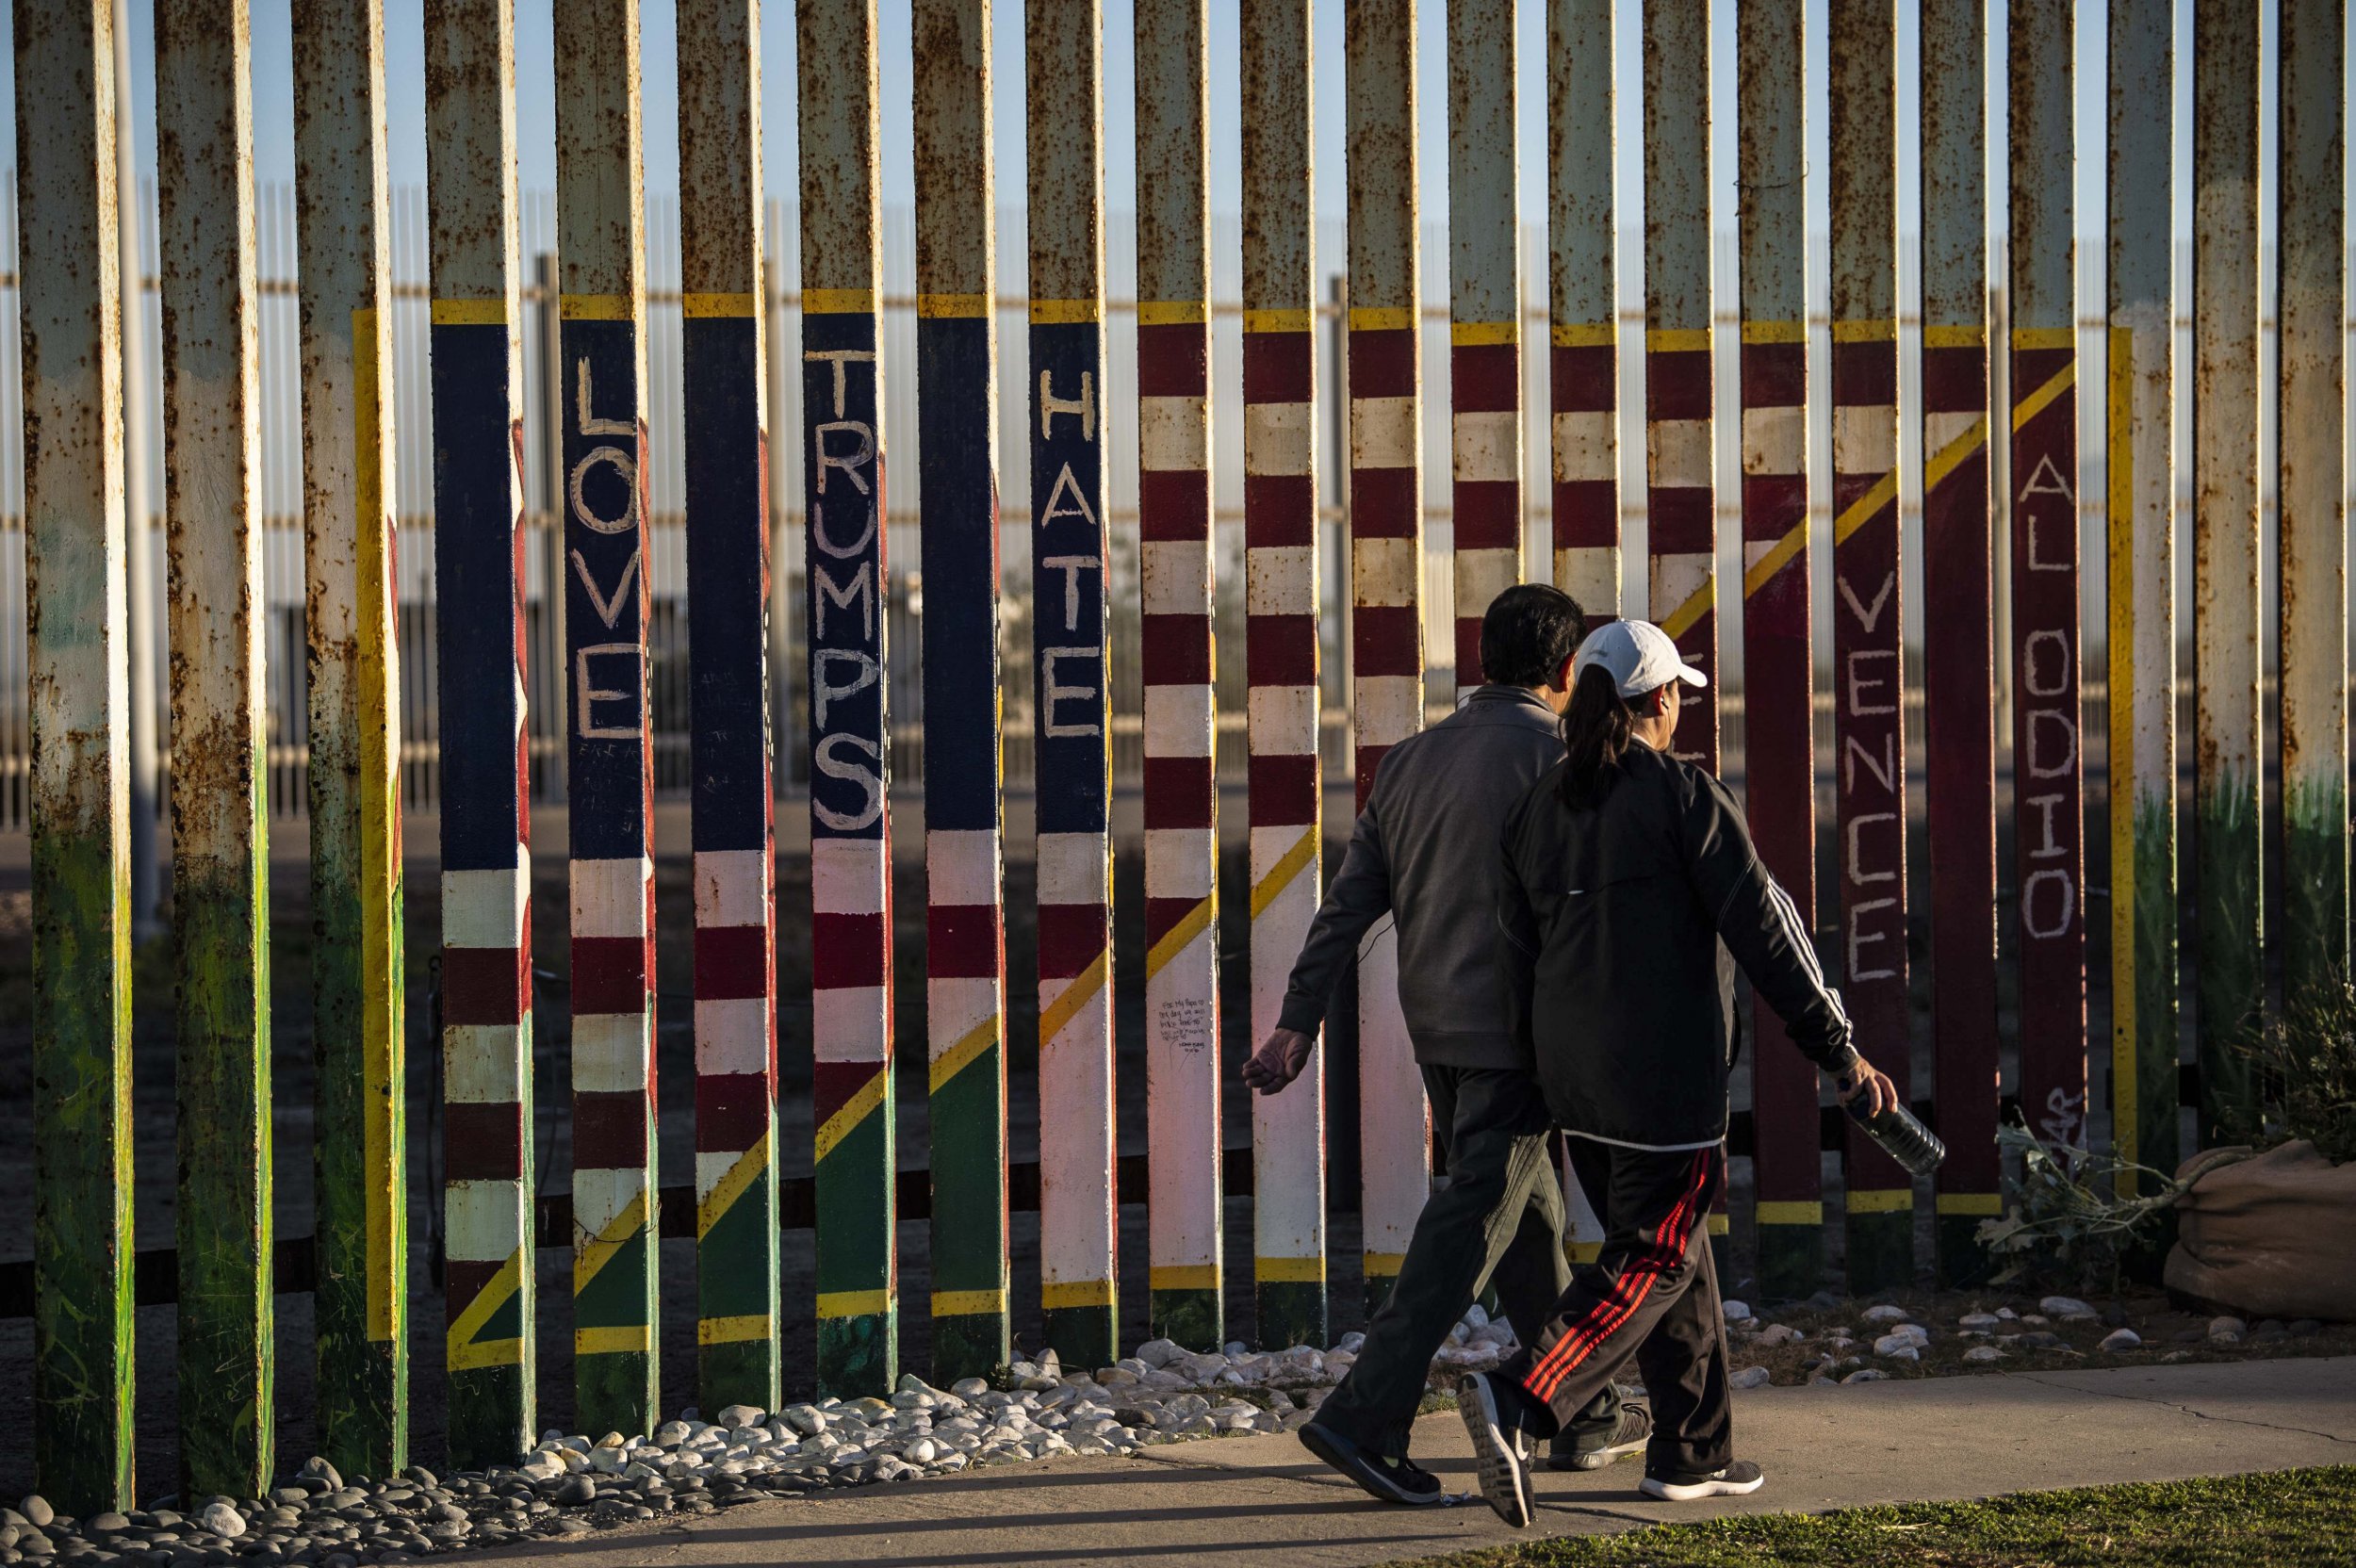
[(1279, 1061), (1870, 1081)]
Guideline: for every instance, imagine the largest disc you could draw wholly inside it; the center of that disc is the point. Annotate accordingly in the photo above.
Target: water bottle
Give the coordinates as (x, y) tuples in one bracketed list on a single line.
[(1899, 1133)]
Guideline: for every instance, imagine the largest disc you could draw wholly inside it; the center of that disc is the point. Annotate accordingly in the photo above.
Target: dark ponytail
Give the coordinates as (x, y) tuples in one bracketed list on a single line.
[(1598, 727)]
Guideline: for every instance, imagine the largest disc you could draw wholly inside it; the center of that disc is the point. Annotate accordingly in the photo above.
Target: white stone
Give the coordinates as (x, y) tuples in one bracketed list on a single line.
[(1868, 1375), (223, 1521), (1351, 1342), (1778, 1334), (734, 1417), (1752, 1376), (1735, 1312), (2064, 1307), (2120, 1339), (1476, 1316), (2221, 1326), (1159, 1353), (1978, 1322), (1887, 1314), (1984, 1353), (2007, 1313), (806, 1419)]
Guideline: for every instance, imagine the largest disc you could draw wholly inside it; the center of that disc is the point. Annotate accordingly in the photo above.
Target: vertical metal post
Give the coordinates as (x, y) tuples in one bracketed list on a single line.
[(71, 317), (724, 349), (1484, 317), (1583, 367), (555, 567), (351, 614), (1280, 648), (1959, 625), (1869, 653), (601, 233), (1185, 1221), (1386, 580), (1777, 653), (489, 1294), (965, 918), (850, 855), (2048, 760), (1583, 355), (2142, 589), (219, 848), (1078, 1220), (2313, 537), (2230, 919), (1679, 498), (141, 625)]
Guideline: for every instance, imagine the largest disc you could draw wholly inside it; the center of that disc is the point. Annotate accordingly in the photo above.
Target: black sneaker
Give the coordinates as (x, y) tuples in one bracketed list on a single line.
[(1389, 1481), (1500, 1446), (1596, 1450), (1737, 1479)]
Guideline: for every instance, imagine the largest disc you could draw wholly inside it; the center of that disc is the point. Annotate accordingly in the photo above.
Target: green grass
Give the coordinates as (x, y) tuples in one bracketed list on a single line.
[(2288, 1519)]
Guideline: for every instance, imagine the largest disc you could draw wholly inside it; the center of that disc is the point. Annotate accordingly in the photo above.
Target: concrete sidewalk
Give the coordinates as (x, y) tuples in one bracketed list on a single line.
[(1262, 1500)]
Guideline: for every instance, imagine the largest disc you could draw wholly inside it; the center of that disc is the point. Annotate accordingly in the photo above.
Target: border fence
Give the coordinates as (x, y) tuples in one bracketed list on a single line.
[(471, 500)]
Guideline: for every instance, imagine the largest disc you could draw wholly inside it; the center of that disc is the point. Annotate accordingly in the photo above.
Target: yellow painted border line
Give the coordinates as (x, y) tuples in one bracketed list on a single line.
[(1866, 507), (589, 1261), (854, 1303), (961, 1055), (837, 302), (1178, 938), (1685, 616), (1056, 1295), (1279, 321), (1382, 1265), (1380, 318), (464, 1353), (1584, 335), (853, 1111), (970, 1303), (1175, 313), (1481, 335), (1775, 331), (1865, 332), (597, 307), (1882, 1201), (618, 1340), (1073, 997), (469, 313), (1288, 1271), (731, 306), (1971, 1202), (1954, 454), (2044, 337), (744, 1328), (1183, 1276), (1673, 340), (2035, 402), (1066, 313), (1774, 1211), (1280, 875), (730, 1186), (1953, 335), (952, 307), (1721, 1224)]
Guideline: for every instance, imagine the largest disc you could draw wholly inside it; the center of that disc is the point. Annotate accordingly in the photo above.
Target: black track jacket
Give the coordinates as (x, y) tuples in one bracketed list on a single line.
[(1620, 927)]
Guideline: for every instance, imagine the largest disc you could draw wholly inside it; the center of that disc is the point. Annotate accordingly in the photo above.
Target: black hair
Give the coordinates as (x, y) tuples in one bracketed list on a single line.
[(1526, 633), (1597, 730)]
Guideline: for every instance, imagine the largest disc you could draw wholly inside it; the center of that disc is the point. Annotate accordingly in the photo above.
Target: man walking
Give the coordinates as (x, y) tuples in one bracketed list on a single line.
[(1424, 850)]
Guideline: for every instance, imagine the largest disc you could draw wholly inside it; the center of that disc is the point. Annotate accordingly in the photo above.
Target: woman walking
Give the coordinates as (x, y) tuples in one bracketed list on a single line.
[(1629, 891)]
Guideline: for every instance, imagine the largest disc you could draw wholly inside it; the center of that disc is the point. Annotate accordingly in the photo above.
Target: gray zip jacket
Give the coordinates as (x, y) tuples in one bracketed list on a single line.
[(1424, 850)]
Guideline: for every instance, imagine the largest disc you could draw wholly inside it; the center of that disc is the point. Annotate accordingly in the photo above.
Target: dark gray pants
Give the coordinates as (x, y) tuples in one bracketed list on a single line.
[(1500, 1216)]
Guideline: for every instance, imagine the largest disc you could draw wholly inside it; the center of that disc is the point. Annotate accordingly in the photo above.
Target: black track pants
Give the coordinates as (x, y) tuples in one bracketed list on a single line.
[(1500, 1214), (1651, 1296)]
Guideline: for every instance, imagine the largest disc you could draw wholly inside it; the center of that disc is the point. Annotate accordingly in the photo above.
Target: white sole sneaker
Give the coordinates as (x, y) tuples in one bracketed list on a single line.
[(1501, 1455), (1735, 1481)]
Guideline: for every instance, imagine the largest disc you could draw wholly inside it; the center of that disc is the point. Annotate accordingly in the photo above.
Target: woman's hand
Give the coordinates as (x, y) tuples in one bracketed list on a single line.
[(1279, 1061), (1872, 1082)]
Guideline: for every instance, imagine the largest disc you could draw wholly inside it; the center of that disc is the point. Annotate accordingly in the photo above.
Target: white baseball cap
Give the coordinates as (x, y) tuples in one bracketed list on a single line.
[(1637, 655)]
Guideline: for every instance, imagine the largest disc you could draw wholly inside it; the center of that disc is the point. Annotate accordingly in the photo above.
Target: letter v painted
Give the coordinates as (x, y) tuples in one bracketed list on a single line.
[(608, 610)]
